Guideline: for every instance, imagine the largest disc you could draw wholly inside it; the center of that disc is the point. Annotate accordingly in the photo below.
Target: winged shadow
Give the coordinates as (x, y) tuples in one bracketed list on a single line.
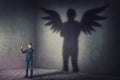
[(70, 30)]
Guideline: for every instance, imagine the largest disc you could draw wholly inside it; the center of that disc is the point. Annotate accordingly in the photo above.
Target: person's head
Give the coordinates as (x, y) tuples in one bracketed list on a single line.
[(29, 45), (71, 14)]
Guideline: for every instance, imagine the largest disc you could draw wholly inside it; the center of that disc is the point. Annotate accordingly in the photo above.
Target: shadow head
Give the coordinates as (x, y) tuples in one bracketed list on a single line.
[(71, 14)]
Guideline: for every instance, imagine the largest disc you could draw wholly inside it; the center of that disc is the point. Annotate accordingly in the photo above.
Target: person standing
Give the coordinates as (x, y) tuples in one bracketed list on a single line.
[(29, 59)]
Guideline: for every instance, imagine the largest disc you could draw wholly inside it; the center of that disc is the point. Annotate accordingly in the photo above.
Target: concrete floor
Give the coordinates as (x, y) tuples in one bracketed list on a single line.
[(50, 74)]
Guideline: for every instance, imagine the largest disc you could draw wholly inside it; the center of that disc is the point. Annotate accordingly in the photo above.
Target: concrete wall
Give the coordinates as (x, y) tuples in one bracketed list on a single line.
[(97, 52), (17, 24), (20, 22)]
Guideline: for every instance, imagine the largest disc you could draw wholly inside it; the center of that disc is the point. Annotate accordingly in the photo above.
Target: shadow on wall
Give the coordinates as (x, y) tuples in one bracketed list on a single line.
[(71, 29)]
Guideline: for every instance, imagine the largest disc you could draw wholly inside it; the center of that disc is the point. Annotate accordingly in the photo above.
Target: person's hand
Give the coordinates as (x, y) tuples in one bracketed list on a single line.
[(21, 47)]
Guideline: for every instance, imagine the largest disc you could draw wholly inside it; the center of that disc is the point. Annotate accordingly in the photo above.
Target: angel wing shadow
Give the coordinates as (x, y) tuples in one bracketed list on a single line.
[(53, 18), (70, 30)]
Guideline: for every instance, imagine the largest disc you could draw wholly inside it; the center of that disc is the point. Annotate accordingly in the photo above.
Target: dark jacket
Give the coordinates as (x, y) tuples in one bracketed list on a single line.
[(29, 54)]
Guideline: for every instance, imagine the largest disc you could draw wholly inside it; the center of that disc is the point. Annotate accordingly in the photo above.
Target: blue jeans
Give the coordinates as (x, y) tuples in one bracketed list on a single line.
[(29, 64)]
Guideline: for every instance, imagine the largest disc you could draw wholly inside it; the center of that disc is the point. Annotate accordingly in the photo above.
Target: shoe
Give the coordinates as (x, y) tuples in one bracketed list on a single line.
[(25, 76), (64, 70), (31, 77), (75, 70)]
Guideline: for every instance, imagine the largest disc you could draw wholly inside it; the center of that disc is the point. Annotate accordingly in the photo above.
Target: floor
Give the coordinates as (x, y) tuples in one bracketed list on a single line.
[(50, 74)]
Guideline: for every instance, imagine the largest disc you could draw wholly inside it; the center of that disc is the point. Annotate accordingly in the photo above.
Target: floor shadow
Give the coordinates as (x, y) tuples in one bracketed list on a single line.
[(59, 75)]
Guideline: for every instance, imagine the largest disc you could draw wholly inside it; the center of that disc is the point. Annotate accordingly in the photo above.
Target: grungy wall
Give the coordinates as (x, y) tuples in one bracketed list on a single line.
[(97, 53), (20, 22), (17, 24)]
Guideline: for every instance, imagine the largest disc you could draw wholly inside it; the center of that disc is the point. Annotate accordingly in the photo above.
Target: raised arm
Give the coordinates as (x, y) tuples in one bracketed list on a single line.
[(23, 51)]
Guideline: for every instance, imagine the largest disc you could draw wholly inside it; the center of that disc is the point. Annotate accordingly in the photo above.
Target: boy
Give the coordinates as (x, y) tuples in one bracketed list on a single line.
[(29, 59)]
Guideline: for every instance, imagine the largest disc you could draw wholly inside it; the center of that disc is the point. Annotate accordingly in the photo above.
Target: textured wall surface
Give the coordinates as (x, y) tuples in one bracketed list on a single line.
[(20, 22), (16, 28)]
